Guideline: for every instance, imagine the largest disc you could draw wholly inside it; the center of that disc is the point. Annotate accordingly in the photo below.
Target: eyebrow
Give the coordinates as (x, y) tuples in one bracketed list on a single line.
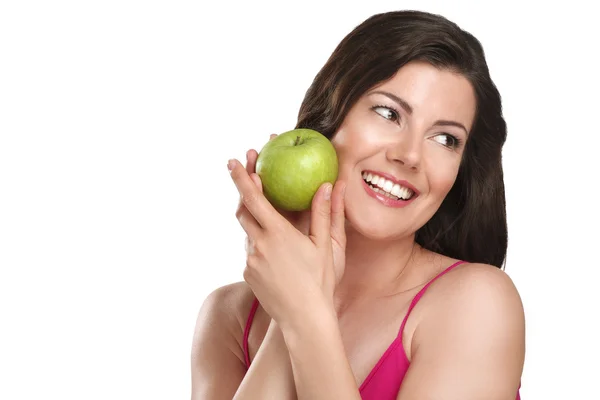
[(396, 99), (404, 104)]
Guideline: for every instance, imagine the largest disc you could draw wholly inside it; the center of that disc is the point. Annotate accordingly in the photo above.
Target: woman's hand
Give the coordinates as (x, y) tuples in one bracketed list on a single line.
[(289, 271)]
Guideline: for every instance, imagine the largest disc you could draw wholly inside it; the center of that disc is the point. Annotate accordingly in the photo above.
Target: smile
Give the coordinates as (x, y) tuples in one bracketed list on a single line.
[(391, 192)]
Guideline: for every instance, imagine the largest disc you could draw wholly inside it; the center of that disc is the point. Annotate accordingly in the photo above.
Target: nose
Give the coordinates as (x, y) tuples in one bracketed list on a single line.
[(407, 151)]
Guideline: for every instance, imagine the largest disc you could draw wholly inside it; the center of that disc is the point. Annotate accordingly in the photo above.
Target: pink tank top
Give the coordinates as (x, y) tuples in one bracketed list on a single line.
[(384, 380)]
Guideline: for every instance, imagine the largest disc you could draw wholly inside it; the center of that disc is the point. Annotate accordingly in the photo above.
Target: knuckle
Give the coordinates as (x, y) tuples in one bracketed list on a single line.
[(242, 219), (250, 271), (239, 213), (251, 250), (249, 199), (258, 247), (324, 212), (254, 247), (247, 274)]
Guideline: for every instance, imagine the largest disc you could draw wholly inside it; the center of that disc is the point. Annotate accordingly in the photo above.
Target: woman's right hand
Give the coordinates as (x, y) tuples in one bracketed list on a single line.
[(300, 220)]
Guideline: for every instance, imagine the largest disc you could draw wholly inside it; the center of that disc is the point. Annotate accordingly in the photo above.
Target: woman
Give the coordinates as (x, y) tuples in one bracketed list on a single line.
[(391, 286)]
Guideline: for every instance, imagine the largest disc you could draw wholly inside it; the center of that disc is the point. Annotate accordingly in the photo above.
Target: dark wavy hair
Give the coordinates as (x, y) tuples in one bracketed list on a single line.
[(471, 222)]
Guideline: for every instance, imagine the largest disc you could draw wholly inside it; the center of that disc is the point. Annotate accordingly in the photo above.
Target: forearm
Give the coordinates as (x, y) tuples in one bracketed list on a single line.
[(270, 374), (320, 367)]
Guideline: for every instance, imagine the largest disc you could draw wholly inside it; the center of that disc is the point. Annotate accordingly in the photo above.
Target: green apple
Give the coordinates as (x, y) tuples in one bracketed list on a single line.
[(293, 166)]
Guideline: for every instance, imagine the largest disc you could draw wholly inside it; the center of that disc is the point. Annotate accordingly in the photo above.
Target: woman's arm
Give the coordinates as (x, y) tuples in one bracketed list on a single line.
[(318, 357), (294, 276), (270, 374), (218, 366)]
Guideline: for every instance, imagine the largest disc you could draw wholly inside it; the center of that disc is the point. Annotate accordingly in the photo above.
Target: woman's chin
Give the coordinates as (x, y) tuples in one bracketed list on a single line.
[(371, 230)]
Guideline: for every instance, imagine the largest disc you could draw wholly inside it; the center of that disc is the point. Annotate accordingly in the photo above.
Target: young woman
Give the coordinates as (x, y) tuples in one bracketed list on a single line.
[(391, 286)]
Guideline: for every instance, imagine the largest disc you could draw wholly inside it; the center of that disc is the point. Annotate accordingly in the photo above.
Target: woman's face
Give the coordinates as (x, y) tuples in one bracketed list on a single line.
[(400, 148)]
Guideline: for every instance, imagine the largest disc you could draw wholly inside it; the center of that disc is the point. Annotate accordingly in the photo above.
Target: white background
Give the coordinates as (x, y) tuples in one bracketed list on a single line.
[(117, 212)]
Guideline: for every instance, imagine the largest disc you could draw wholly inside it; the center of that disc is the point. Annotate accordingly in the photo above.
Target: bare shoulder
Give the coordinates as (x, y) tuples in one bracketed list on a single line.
[(221, 319), (225, 309), (217, 356), (480, 287), (229, 299), (472, 325), (476, 295)]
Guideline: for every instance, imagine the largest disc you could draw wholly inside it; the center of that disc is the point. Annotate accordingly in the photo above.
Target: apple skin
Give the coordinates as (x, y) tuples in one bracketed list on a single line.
[(293, 165)]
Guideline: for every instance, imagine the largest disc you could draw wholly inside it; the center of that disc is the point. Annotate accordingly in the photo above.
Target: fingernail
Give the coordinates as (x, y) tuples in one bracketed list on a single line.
[(230, 165), (328, 191)]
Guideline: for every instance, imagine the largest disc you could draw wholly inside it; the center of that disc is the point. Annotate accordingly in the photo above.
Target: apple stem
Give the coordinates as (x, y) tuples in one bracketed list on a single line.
[(297, 141)]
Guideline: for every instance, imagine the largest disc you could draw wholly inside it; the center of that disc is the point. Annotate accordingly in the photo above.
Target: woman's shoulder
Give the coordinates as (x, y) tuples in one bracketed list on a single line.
[(233, 300), (477, 302), (226, 308), (471, 324), (477, 281)]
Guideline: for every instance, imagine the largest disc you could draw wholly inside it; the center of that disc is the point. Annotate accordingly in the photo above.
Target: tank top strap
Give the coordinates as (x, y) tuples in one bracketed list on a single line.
[(418, 296), (247, 331)]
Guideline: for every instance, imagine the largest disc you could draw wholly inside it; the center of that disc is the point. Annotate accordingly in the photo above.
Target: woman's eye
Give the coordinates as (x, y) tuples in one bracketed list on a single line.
[(387, 113), (447, 140)]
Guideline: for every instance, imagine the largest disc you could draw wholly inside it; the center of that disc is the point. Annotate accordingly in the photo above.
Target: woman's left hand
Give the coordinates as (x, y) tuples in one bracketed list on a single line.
[(290, 272)]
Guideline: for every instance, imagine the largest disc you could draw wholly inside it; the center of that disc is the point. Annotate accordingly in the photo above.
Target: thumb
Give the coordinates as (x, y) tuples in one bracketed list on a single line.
[(320, 216), (338, 216)]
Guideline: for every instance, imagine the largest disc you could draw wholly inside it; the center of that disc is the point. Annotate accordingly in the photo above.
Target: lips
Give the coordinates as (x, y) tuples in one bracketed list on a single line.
[(389, 186), (385, 197)]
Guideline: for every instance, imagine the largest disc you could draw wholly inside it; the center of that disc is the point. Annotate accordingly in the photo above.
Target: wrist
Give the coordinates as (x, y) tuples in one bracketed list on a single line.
[(317, 319), (274, 339)]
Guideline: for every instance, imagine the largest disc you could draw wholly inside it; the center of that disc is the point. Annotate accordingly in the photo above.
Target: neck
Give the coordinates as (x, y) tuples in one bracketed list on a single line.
[(375, 268)]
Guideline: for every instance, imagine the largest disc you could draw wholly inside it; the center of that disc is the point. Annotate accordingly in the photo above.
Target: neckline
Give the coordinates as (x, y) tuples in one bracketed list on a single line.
[(393, 345), (391, 348), (398, 339)]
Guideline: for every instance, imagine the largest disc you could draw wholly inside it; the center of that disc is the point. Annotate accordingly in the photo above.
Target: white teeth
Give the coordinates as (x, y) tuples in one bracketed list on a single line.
[(406, 193), (388, 188), (380, 191)]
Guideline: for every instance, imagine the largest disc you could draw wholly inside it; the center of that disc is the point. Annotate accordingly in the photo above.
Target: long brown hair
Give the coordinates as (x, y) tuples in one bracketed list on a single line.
[(471, 222)]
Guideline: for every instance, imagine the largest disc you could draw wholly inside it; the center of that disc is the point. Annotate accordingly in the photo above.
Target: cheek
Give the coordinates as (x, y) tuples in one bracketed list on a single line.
[(353, 144), (346, 167), (441, 180), (442, 174), (357, 135), (344, 144)]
